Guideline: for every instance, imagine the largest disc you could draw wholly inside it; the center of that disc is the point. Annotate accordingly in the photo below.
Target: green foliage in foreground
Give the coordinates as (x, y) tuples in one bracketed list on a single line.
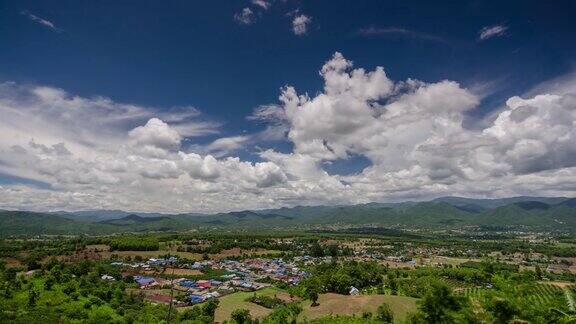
[(507, 294), (73, 293)]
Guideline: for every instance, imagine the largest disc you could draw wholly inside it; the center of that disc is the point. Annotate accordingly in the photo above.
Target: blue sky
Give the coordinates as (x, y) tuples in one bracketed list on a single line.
[(162, 56)]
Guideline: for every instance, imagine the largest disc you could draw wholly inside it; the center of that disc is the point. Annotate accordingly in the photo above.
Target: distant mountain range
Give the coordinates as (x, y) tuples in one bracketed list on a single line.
[(528, 213)]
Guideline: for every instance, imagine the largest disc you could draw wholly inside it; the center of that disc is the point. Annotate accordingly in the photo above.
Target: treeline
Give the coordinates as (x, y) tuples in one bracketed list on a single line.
[(340, 277), (218, 245), (332, 249)]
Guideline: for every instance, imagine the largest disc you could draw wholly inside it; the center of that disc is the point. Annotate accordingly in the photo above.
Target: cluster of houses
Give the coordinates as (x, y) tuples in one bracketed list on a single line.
[(150, 263), (238, 275), (198, 291), (254, 269)]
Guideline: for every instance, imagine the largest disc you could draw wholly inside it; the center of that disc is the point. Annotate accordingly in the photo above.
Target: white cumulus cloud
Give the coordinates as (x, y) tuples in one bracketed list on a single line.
[(300, 24), (90, 153)]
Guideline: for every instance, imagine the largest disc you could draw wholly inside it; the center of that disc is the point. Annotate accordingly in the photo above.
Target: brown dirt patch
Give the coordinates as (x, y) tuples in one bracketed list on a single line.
[(183, 272), (12, 263)]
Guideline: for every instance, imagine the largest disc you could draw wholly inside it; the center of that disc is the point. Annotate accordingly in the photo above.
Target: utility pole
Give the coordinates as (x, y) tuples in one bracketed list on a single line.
[(171, 295)]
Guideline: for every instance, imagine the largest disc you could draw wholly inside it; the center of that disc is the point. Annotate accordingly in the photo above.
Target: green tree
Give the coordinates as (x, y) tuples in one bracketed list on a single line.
[(210, 307), (438, 304), (284, 314), (316, 250), (241, 316), (312, 290), (385, 314), (393, 284), (538, 272), (49, 283), (33, 296), (503, 310), (333, 250)]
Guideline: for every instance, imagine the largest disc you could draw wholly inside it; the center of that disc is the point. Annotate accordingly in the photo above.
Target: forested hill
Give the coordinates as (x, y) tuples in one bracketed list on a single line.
[(526, 213)]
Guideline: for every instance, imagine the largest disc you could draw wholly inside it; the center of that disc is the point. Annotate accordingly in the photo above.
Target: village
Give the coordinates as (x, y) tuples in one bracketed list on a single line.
[(338, 275), (228, 276), (184, 282)]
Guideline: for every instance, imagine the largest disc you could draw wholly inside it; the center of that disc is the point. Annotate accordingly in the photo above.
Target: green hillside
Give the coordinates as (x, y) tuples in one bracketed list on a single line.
[(29, 223), (538, 214)]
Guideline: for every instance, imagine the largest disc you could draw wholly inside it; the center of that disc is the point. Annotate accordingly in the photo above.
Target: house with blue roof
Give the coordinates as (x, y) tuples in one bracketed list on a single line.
[(194, 299), (144, 282), (215, 282), (188, 283)]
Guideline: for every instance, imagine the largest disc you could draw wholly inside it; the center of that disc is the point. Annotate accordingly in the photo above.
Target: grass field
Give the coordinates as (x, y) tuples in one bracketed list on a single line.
[(238, 300), (329, 304), (348, 305)]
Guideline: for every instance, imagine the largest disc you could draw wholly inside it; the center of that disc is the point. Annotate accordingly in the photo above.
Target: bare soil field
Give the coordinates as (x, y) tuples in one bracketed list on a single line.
[(183, 272)]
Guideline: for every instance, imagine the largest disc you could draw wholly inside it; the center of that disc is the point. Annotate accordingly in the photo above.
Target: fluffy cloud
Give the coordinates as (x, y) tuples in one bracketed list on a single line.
[(262, 4), (97, 153), (536, 134), (412, 132), (245, 17), (156, 133), (113, 154), (300, 24)]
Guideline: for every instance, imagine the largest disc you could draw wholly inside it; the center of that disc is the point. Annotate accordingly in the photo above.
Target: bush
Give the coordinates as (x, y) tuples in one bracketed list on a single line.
[(266, 301), (385, 314), (241, 316)]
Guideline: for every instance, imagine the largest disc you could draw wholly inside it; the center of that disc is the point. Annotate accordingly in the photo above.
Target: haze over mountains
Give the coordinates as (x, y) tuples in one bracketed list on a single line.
[(527, 213)]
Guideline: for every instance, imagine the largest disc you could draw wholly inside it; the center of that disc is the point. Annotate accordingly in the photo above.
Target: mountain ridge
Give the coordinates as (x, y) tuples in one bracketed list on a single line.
[(535, 213)]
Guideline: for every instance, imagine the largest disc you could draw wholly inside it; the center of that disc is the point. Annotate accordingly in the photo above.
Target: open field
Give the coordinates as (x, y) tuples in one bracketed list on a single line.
[(335, 304), (97, 247), (448, 260), (182, 272), (239, 251), (238, 300), (11, 262)]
